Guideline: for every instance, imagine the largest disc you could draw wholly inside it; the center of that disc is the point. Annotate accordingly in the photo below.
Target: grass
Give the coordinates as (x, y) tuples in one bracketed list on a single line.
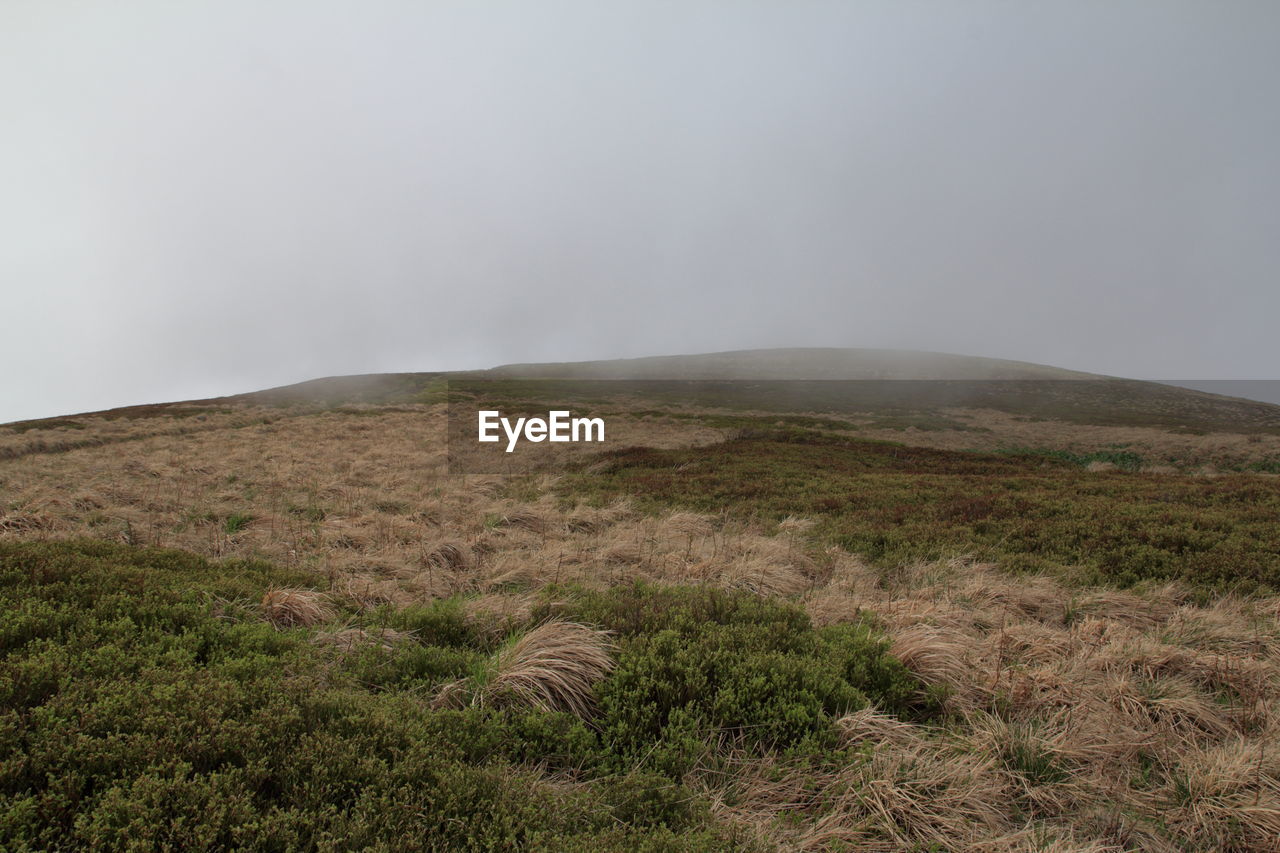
[(135, 428), (1107, 402), (727, 421), (286, 608), (236, 522), (145, 698), (781, 647), (891, 419), (20, 427), (553, 667), (895, 504), (1122, 459), (1264, 466), (177, 411)]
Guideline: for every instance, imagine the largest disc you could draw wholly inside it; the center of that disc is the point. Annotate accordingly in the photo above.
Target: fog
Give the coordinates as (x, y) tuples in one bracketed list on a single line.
[(208, 198)]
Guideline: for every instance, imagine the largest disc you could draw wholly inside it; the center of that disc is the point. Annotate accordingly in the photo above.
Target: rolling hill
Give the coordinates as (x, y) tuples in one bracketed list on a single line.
[(811, 600), (822, 380)]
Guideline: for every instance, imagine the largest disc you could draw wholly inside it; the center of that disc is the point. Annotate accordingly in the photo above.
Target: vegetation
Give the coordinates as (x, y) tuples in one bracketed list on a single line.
[(148, 701), (1122, 459), (759, 628), (237, 522), (1099, 401), (896, 504), (702, 670)]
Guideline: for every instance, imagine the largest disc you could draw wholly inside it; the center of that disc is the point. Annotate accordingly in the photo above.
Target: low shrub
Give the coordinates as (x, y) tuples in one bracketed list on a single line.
[(1032, 510), (702, 668), (138, 710)]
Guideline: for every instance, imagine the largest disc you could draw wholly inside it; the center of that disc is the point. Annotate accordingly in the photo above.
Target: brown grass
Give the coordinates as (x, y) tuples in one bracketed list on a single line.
[(1079, 719), (347, 640), (553, 667), (496, 615), (293, 608)]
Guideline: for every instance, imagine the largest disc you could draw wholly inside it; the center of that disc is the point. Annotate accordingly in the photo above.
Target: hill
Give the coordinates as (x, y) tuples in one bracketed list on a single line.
[(820, 380), (811, 600), (843, 381), (871, 380), (801, 363)]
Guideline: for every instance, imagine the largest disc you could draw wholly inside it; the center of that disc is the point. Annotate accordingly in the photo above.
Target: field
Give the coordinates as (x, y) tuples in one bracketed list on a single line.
[(280, 622)]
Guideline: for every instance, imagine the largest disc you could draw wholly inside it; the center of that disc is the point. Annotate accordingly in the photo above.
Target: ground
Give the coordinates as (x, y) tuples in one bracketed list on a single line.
[(936, 629)]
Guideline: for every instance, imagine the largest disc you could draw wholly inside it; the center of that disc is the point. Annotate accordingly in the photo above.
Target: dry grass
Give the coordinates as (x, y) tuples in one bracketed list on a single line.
[(294, 608), (340, 493), (1116, 720), (1169, 451), (496, 615), (988, 429), (553, 667), (1079, 720), (348, 640)]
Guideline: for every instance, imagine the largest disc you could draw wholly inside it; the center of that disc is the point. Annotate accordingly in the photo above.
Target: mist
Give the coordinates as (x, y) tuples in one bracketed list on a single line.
[(210, 198)]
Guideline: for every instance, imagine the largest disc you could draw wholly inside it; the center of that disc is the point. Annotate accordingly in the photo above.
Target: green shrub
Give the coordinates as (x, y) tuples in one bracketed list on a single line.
[(132, 716), (701, 668), (408, 666), (441, 623), (237, 522)]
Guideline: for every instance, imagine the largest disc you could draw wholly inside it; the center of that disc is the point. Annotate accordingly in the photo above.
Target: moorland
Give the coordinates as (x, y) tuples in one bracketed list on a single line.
[(805, 600)]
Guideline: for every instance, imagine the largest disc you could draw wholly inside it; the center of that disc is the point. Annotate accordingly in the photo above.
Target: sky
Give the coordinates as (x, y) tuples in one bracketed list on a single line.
[(205, 198)]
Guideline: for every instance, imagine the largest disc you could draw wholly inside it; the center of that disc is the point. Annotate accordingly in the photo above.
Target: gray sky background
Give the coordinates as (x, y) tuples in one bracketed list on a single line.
[(205, 198)]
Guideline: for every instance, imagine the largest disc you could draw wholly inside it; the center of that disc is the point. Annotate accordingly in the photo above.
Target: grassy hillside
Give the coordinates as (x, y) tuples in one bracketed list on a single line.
[(840, 381), (853, 380), (777, 615), (897, 505)]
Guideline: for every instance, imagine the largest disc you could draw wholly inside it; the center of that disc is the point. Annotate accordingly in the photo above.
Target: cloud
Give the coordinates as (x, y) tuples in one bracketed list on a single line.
[(210, 199)]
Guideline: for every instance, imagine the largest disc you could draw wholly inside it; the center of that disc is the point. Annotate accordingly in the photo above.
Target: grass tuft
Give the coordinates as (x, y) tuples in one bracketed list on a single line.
[(553, 667), (292, 608)]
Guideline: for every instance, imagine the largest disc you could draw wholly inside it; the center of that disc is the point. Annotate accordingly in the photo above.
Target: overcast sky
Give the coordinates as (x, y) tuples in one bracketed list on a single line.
[(206, 198)]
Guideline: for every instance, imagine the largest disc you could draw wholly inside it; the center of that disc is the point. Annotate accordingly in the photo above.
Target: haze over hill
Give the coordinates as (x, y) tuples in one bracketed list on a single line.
[(1262, 390), (824, 380), (803, 379), (796, 363)]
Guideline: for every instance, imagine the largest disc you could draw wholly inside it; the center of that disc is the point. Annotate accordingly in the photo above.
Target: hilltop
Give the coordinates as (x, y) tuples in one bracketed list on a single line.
[(800, 363), (786, 380), (920, 398)]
